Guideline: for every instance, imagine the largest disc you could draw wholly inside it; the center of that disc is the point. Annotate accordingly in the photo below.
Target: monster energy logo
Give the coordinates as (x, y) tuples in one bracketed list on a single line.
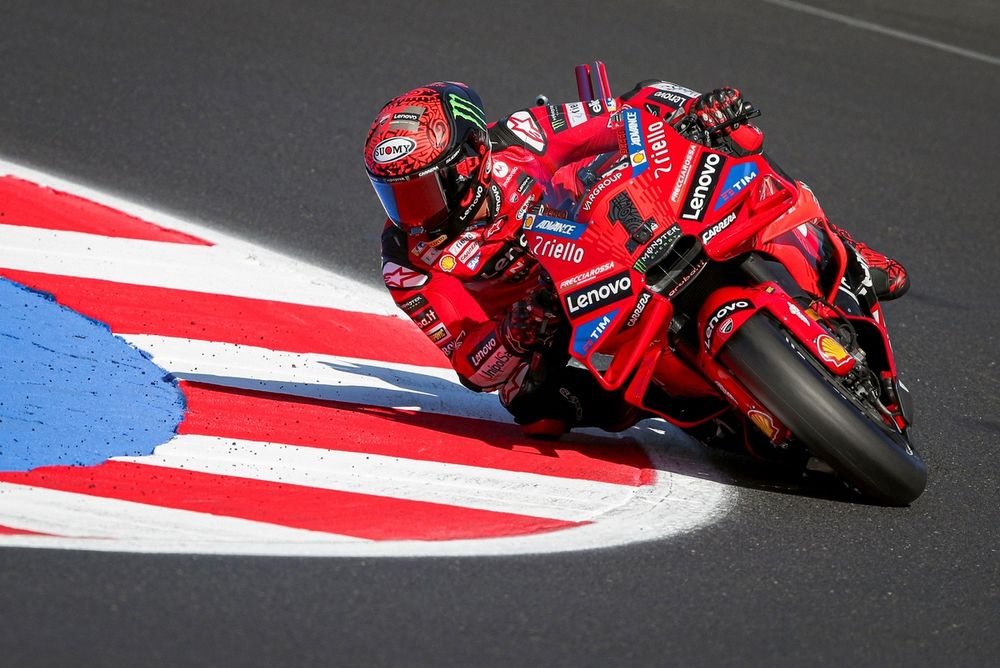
[(462, 108)]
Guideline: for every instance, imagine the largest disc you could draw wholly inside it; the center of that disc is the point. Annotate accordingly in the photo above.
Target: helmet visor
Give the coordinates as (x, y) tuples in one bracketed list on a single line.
[(414, 204)]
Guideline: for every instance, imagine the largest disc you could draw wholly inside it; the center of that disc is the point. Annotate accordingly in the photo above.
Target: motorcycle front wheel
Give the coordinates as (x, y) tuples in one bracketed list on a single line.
[(834, 425)]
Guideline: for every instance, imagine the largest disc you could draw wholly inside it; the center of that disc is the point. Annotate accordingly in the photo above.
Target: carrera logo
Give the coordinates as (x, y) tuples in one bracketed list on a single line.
[(710, 233), (705, 180), (640, 308), (724, 312), (597, 295), (390, 150)]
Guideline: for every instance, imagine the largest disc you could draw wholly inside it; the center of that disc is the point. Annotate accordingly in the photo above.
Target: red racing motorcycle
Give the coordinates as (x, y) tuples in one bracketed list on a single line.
[(712, 289)]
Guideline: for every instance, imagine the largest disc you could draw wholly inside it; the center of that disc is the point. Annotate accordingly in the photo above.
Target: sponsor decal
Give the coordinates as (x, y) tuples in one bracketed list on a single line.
[(558, 227), (763, 422), (496, 196), (658, 149), (600, 294), (640, 308), (408, 119), (462, 108), (587, 275), (413, 304), (658, 248), (575, 113), (439, 333), (447, 263), (608, 180), (588, 334), (500, 169), (525, 127), (474, 205), (797, 312), (670, 99), (448, 347), (474, 262), (495, 369), (594, 107), (737, 178), (567, 251), (682, 177), (668, 87), (494, 229), (398, 278), (524, 183), (392, 149), (467, 254), (622, 210), (425, 318), (710, 233), (723, 312), (651, 109), (705, 179), (831, 351), (482, 351), (557, 118), (523, 209), (634, 142), (686, 278)]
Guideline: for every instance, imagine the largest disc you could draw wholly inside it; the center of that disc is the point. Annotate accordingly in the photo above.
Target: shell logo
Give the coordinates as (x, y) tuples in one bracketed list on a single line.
[(831, 351), (763, 422), (639, 157), (447, 263)]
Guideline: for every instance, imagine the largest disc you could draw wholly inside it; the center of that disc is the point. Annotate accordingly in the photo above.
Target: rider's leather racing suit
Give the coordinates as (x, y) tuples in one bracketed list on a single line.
[(459, 293)]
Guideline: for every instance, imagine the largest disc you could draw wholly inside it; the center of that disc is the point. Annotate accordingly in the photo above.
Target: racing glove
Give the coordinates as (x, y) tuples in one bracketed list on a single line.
[(531, 323), (719, 106)]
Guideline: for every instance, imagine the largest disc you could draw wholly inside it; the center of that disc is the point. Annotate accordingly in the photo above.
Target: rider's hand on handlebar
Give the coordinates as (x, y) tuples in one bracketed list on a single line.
[(719, 108), (531, 322)]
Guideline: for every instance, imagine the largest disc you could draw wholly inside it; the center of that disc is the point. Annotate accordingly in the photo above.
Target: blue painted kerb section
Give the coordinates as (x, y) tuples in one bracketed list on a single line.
[(72, 393)]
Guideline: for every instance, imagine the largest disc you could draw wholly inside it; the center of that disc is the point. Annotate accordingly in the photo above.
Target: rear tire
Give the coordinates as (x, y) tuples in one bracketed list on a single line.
[(806, 397)]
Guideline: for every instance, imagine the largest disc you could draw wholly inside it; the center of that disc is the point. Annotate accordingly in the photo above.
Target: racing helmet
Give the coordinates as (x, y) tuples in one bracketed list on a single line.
[(428, 158)]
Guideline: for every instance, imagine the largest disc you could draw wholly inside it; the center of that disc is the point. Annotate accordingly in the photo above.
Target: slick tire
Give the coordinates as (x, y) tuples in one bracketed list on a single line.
[(834, 426)]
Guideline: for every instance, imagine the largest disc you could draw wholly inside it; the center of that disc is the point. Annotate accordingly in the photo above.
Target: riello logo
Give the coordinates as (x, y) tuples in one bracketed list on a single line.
[(594, 296), (393, 149)]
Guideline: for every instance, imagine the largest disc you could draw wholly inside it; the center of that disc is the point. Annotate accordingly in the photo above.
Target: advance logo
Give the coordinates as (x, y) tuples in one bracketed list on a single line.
[(598, 295)]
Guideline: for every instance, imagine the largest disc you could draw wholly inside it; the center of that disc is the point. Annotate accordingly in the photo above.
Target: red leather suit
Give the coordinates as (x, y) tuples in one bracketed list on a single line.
[(459, 293)]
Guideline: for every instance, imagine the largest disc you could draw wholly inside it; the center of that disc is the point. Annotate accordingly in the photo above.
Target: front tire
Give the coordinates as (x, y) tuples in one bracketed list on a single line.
[(878, 461)]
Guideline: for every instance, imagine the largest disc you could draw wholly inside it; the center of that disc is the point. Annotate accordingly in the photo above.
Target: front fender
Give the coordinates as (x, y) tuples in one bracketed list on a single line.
[(727, 309)]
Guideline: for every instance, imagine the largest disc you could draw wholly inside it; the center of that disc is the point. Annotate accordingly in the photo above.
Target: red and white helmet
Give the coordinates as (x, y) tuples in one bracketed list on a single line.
[(428, 158)]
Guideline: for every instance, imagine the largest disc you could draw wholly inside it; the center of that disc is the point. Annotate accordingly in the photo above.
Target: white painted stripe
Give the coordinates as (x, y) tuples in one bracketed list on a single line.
[(884, 30), (495, 490), (327, 377), (71, 515), (219, 269)]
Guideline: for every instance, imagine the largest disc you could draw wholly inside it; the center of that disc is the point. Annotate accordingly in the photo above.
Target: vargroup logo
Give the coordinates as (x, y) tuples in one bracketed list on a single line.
[(394, 148)]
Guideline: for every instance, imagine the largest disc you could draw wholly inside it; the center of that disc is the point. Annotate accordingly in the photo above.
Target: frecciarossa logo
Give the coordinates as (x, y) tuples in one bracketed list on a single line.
[(596, 295), (706, 177)]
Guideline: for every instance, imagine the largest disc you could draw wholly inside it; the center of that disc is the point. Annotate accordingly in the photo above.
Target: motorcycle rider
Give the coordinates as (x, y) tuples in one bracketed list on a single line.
[(456, 189)]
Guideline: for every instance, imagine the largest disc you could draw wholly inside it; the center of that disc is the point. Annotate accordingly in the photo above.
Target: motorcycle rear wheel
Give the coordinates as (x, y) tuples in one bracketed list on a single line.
[(832, 423)]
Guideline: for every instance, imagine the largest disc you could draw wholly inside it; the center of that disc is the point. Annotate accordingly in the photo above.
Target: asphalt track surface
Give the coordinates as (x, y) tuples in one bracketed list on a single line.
[(250, 117)]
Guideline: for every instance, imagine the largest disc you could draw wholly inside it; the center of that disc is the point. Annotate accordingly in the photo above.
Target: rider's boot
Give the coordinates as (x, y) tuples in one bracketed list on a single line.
[(889, 277)]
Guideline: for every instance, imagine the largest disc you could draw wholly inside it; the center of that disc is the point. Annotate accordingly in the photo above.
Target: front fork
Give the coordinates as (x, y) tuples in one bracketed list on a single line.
[(728, 308)]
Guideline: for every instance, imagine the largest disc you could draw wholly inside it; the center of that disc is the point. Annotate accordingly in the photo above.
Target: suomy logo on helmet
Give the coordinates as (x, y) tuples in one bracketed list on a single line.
[(462, 108), (393, 149)]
